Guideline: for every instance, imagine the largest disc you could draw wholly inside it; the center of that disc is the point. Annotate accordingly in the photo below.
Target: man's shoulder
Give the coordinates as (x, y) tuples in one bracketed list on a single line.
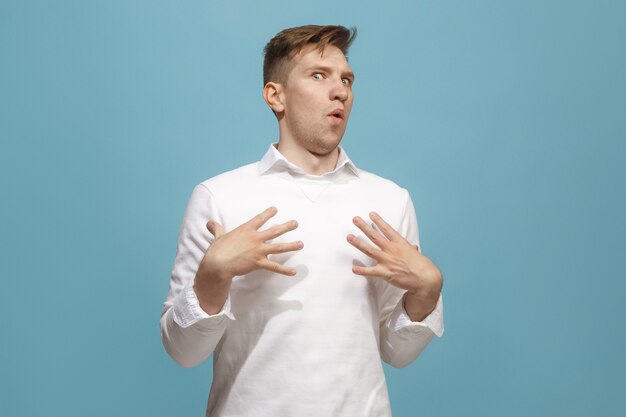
[(233, 177), (380, 184)]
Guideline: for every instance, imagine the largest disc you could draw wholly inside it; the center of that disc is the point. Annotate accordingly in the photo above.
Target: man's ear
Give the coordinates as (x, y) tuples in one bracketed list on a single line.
[(273, 97)]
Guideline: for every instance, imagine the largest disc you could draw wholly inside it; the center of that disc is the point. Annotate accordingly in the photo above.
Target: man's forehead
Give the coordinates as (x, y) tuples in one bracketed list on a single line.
[(311, 54)]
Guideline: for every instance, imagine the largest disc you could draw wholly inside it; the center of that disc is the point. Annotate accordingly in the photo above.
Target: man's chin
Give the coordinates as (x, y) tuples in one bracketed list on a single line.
[(324, 148)]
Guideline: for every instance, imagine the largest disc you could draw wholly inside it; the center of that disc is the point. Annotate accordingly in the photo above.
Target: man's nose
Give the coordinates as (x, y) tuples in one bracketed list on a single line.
[(340, 91)]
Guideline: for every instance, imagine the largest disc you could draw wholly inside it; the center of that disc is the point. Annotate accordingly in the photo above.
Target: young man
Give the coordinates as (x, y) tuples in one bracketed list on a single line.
[(279, 275)]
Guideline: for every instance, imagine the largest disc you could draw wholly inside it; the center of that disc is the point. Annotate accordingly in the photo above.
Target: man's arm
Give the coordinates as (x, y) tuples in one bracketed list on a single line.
[(197, 310), (409, 289)]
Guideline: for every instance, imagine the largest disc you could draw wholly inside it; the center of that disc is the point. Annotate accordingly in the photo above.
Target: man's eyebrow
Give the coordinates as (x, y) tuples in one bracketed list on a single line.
[(349, 74)]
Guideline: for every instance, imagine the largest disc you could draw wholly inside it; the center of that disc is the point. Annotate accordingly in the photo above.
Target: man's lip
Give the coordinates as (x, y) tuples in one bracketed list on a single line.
[(337, 113)]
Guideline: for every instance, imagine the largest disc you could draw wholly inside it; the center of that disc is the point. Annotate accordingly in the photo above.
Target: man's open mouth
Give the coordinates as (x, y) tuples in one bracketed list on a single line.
[(337, 114)]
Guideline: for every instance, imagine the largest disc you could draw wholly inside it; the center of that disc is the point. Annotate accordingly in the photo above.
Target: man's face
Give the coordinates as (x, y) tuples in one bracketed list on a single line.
[(317, 98)]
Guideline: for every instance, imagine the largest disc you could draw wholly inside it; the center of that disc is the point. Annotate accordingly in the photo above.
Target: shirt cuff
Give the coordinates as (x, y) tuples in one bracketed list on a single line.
[(187, 310), (400, 322)]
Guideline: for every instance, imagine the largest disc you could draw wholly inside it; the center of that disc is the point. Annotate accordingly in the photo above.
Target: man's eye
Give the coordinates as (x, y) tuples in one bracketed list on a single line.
[(346, 81), (318, 76)]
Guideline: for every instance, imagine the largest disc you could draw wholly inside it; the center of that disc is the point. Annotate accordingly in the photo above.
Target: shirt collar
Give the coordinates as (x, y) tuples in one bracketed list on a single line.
[(274, 161)]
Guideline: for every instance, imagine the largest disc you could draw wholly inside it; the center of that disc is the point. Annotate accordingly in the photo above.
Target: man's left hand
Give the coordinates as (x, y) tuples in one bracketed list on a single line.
[(400, 264)]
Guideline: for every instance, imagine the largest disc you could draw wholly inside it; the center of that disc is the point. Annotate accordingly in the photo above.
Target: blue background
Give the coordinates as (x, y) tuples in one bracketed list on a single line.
[(504, 119)]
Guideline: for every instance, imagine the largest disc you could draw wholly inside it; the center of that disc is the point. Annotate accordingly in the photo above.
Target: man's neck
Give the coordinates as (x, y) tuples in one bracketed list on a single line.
[(311, 163)]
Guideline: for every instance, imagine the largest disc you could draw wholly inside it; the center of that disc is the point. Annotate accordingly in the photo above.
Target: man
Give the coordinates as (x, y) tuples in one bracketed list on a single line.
[(270, 275)]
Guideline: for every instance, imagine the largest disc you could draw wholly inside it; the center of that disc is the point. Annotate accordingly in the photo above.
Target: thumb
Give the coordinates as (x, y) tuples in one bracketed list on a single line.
[(215, 228)]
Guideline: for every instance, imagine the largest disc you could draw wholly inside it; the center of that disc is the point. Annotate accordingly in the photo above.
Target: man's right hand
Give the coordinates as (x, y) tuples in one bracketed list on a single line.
[(239, 252)]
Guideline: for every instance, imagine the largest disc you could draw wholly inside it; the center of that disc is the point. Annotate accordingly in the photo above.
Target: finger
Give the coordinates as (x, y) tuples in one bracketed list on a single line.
[(276, 267), (260, 219), (279, 229), (389, 232), (215, 228), (376, 271), (365, 247), (374, 235), (274, 248)]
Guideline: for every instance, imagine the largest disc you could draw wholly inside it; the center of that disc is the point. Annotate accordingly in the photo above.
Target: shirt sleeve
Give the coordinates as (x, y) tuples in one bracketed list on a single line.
[(188, 333), (402, 340)]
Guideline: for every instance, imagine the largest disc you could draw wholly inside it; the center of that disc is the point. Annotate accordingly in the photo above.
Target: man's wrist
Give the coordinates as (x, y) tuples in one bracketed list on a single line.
[(418, 307), (212, 293)]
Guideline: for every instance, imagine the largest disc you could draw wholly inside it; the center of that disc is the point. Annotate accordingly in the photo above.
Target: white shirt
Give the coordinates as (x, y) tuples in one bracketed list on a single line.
[(307, 345)]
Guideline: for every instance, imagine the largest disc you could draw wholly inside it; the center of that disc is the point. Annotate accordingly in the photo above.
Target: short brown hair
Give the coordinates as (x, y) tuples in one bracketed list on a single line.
[(289, 42)]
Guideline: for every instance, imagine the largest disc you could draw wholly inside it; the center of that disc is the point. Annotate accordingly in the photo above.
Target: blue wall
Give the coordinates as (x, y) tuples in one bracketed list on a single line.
[(504, 119)]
